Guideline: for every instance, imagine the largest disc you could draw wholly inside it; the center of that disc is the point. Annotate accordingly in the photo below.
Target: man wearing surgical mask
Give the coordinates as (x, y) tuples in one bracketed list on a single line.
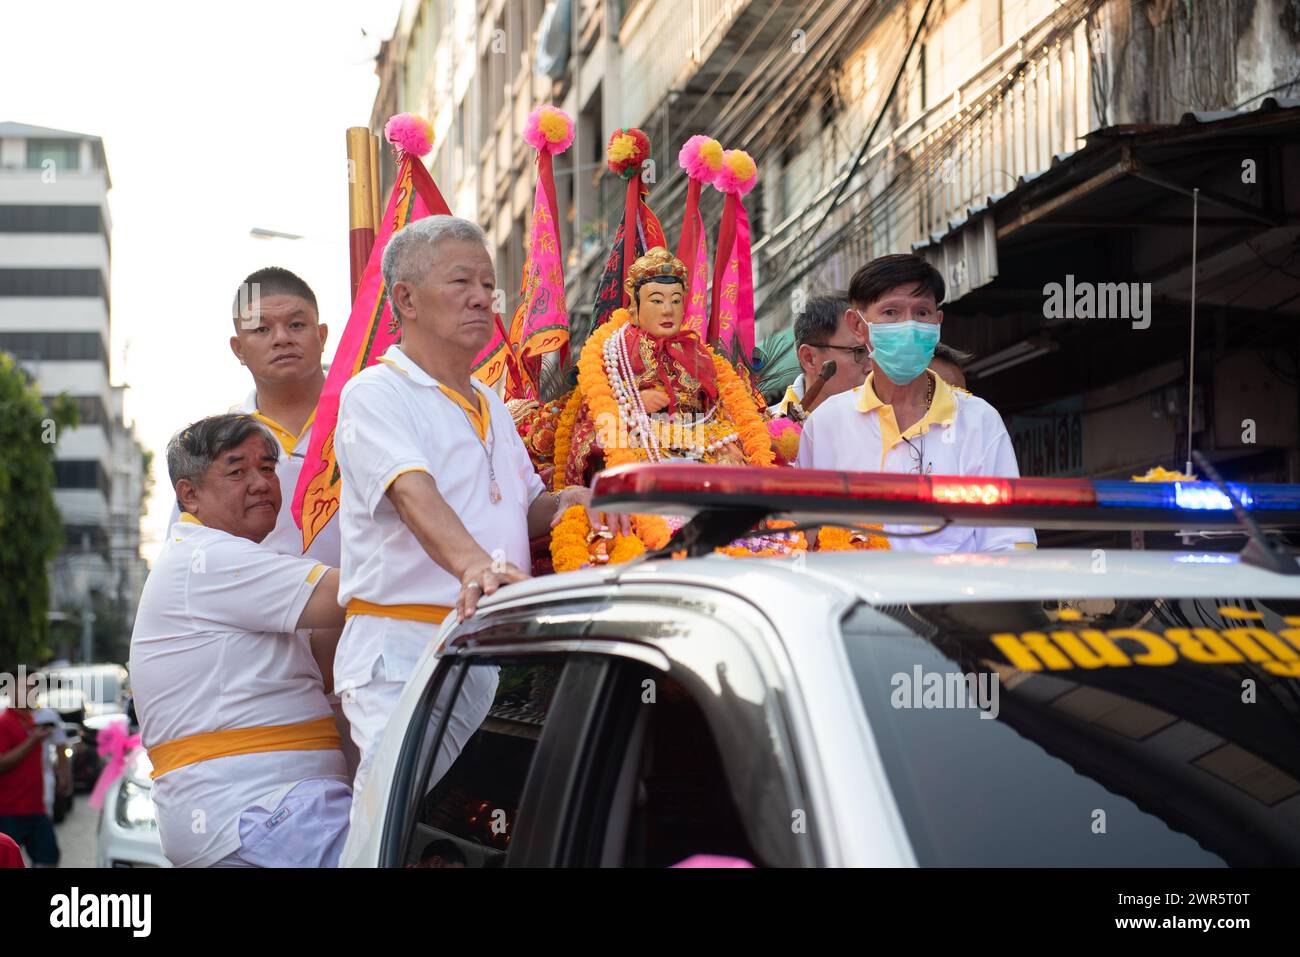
[(905, 418)]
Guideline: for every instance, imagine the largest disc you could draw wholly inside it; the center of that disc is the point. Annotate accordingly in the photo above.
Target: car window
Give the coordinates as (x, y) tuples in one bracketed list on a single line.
[(476, 776), (1104, 732), (679, 773)]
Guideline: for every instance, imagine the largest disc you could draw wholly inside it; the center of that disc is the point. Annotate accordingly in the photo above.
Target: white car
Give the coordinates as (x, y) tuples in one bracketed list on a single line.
[(128, 825), (1059, 708)]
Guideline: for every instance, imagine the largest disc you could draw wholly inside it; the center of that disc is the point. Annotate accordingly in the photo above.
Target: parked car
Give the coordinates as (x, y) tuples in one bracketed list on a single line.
[(128, 824)]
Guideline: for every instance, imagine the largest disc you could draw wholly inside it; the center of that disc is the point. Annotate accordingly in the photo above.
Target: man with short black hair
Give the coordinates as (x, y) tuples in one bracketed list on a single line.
[(904, 417), (825, 330), (950, 363), (245, 751)]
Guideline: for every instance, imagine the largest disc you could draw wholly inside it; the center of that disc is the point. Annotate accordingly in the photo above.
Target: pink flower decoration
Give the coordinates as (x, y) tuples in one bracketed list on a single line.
[(410, 133), (739, 173), (116, 744), (701, 157), (549, 129)]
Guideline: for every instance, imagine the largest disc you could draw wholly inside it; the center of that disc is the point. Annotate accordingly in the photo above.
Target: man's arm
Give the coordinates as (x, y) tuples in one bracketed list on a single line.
[(445, 539), (322, 609), (11, 758)]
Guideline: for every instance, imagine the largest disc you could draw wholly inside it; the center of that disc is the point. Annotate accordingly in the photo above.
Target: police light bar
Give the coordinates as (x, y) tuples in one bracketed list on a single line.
[(810, 495)]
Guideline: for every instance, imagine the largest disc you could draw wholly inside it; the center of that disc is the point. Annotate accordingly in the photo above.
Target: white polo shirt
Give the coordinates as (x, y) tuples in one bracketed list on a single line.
[(394, 418), (286, 537), (214, 649), (961, 434)]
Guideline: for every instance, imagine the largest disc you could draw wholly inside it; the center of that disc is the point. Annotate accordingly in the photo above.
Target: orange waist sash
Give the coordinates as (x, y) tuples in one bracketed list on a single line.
[(434, 614), (320, 734)]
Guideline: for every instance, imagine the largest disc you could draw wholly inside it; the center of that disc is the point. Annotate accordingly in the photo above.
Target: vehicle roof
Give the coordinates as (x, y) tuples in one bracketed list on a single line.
[(914, 577)]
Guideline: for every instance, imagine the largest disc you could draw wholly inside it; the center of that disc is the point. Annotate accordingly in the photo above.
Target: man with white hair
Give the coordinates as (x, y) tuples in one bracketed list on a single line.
[(439, 496)]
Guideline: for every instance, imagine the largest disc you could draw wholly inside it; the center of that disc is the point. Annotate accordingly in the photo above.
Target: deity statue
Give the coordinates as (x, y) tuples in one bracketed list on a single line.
[(649, 390)]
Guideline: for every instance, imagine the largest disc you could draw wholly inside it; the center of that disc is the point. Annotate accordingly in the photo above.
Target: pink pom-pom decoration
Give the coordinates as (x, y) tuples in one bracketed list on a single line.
[(410, 133), (739, 173), (549, 129), (701, 157)]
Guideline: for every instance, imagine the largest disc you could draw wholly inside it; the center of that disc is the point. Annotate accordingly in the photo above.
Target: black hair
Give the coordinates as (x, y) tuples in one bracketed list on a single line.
[(271, 281), (880, 275), (193, 449), (445, 849), (958, 357), (819, 320)]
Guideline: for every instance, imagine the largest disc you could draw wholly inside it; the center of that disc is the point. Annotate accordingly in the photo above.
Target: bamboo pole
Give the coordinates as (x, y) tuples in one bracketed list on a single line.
[(376, 197), (361, 207)]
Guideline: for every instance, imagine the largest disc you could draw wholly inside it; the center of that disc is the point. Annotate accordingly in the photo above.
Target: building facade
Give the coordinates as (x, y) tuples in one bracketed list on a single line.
[(55, 257), (1020, 145)]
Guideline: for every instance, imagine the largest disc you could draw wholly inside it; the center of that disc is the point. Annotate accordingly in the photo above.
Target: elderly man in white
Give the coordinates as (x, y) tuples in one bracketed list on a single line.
[(905, 417), (439, 495), (246, 761)]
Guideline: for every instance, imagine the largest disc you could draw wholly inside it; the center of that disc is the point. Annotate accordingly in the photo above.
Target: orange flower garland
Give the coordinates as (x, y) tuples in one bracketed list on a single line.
[(653, 530), (831, 539), (570, 549), (735, 398), (564, 438), (594, 386), (569, 540)]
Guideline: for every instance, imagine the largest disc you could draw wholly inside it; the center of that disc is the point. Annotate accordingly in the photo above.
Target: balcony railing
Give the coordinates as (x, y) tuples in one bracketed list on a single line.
[(1028, 102)]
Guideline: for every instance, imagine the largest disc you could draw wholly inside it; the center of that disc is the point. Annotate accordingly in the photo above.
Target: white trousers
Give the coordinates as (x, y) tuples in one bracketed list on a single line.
[(307, 828)]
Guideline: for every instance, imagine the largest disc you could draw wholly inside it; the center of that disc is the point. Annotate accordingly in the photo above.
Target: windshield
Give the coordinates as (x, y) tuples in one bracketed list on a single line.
[(1159, 733)]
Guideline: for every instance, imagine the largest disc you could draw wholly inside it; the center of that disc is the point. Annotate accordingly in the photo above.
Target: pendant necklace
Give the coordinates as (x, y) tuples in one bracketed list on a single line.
[(489, 449)]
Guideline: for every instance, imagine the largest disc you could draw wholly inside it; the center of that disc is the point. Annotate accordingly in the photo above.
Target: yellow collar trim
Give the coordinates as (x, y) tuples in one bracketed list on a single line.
[(478, 417), (942, 411), (790, 398), (190, 519), (288, 441)]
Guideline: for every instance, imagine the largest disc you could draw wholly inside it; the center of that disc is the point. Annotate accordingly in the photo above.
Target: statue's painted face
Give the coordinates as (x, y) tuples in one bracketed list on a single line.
[(659, 308)]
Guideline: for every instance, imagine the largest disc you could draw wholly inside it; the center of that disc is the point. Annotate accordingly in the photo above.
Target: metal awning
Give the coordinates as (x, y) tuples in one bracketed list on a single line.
[(1125, 198)]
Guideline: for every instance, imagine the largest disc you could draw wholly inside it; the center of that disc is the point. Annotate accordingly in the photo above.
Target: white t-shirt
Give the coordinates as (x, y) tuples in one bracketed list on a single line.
[(393, 418), (214, 649), (960, 435), (59, 738), (286, 537)]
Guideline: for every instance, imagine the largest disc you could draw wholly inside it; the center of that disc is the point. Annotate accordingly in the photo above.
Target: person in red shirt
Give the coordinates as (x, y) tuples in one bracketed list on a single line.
[(22, 782), (10, 855)]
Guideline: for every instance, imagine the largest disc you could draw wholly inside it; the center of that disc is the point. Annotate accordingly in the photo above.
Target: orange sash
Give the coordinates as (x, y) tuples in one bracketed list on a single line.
[(320, 734), (434, 614)]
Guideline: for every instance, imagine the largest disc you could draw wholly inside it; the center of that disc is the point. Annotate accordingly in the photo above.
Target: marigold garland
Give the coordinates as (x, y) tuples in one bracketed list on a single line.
[(564, 439), (653, 530), (833, 539), (743, 413)]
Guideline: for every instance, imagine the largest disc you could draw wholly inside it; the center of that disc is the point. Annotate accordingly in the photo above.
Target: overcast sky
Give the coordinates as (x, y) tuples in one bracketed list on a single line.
[(216, 118)]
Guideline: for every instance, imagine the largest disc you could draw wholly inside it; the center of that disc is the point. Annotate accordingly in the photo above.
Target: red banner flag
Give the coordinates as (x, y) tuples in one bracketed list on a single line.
[(367, 336)]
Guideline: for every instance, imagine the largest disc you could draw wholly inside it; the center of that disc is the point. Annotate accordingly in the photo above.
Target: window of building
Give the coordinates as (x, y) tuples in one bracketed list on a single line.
[(82, 473), (66, 154), (51, 219), (47, 346), (52, 282), (90, 408)]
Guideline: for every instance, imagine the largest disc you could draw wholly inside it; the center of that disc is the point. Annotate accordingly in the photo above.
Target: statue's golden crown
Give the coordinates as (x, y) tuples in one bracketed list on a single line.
[(657, 264)]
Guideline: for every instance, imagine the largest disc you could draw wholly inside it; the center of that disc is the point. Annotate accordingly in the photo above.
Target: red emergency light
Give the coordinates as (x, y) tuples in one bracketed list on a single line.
[(808, 495)]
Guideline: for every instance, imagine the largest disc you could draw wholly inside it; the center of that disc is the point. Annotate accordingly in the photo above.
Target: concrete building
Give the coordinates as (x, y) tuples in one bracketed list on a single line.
[(55, 254), (1015, 143)]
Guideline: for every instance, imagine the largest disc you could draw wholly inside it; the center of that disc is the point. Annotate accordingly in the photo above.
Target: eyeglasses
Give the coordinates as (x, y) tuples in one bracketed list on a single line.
[(860, 353), (918, 457)]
